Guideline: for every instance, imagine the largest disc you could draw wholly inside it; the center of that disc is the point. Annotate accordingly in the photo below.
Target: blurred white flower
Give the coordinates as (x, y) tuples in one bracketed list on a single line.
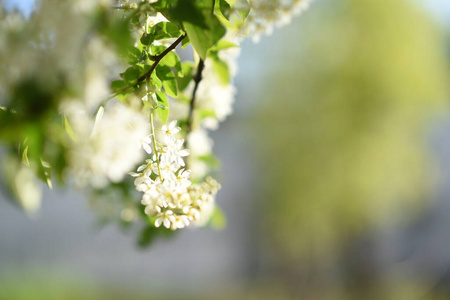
[(200, 145), (266, 14), (114, 149)]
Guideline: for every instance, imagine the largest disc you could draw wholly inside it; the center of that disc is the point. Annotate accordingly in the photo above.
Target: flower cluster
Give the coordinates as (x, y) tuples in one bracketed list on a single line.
[(106, 149), (265, 14), (169, 195)]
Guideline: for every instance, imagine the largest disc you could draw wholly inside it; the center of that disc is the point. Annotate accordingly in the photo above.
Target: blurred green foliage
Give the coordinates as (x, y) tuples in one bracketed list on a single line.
[(348, 151), (43, 61)]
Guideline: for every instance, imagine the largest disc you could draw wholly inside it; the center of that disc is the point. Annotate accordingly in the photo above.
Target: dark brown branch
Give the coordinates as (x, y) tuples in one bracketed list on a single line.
[(157, 59), (197, 78), (147, 75)]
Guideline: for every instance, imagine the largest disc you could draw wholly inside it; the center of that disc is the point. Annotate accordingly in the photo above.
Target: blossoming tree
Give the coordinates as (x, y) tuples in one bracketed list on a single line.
[(117, 97)]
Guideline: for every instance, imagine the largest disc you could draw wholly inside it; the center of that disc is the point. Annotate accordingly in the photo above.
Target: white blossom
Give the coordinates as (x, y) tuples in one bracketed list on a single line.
[(165, 218), (170, 131), (114, 149), (266, 14), (170, 197), (146, 142)]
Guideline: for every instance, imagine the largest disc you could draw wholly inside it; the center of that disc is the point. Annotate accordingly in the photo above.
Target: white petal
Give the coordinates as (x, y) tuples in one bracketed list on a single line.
[(147, 148), (179, 143), (148, 139), (167, 223), (180, 161), (184, 152), (148, 172), (173, 124), (176, 130)]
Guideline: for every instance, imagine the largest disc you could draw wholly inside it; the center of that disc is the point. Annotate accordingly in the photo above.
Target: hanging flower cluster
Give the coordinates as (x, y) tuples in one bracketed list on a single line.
[(169, 195)]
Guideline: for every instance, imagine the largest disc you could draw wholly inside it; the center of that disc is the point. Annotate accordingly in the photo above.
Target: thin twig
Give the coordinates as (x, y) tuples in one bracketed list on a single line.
[(197, 78), (147, 75), (157, 59)]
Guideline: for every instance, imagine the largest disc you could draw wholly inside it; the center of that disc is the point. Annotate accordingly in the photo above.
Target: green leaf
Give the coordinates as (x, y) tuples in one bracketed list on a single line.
[(132, 74), (157, 50), (163, 106), (117, 85), (25, 157), (222, 70), (145, 68), (211, 160), (69, 129), (172, 60), (147, 39), (162, 5), (189, 11), (188, 73), (244, 11), (117, 30), (168, 80), (150, 233), (170, 86), (147, 236), (223, 44), (185, 42), (155, 81), (164, 30), (202, 39), (218, 220), (143, 56), (224, 8), (122, 97), (204, 36), (134, 55)]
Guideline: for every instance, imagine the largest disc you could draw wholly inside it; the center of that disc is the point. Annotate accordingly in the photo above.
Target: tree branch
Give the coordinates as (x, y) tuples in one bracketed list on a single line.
[(157, 59), (197, 78)]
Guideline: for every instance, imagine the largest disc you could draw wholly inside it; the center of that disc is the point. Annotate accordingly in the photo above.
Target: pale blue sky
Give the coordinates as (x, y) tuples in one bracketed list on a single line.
[(24, 5), (439, 8)]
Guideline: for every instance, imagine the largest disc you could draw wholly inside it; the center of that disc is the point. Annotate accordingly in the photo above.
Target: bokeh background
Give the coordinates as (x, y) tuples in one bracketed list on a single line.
[(335, 171)]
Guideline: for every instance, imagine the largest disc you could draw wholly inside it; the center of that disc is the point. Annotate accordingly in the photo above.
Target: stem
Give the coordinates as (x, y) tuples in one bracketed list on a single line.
[(152, 127), (197, 78), (147, 75), (157, 58)]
